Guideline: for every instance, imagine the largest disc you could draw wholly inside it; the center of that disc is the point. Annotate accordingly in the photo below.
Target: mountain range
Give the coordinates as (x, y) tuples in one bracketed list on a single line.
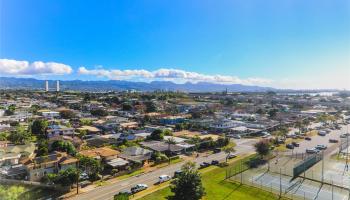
[(120, 85)]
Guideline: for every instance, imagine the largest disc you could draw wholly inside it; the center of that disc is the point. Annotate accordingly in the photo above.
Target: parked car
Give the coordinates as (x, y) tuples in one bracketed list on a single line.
[(204, 165), (217, 150), (236, 136), (333, 141), (83, 176), (308, 138), (312, 150), (177, 173), (295, 144), (321, 147), (345, 135), (214, 162), (164, 178), (138, 188), (290, 146), (231, 156), (322, 133)]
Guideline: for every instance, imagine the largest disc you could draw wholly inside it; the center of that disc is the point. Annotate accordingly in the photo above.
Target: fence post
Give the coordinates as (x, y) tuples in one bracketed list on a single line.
[(280, 184)]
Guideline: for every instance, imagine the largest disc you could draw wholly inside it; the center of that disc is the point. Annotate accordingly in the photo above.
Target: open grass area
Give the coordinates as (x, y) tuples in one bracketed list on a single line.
[(134, 173), (23, 192), (217, 188)]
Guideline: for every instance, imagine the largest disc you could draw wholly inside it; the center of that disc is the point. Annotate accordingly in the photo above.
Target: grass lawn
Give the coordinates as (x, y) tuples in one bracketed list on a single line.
[(134, 173), (217, 188)]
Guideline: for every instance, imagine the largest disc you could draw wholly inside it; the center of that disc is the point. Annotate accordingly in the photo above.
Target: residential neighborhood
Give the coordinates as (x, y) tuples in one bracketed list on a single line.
[(102, 136)]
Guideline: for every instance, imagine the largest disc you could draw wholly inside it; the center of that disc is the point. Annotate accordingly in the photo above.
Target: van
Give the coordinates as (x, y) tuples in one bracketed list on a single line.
[(164, 178)]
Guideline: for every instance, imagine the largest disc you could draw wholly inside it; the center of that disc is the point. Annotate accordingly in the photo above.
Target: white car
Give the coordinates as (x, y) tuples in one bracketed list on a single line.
[(138, 188), (236, 136), (164, 178), (312, 150)]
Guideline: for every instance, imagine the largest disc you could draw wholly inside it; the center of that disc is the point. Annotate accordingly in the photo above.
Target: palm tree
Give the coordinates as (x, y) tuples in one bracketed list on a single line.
[(170, 141)]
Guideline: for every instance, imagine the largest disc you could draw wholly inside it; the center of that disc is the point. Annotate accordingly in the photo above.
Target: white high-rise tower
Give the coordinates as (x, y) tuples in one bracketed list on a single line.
[(57, 86), (46, 86)]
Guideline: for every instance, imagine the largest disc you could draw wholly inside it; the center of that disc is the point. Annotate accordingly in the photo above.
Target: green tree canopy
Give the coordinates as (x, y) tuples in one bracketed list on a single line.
[(65, 146), (262, 148), (65, 177), (156, 135), (67, 114), (188, 185), (19, 136), (39, 127)]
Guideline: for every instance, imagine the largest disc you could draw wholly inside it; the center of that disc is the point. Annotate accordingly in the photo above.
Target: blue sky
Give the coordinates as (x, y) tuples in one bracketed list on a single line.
[(286, 44)]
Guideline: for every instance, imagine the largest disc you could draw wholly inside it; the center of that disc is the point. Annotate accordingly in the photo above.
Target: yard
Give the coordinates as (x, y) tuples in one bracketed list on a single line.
[(217, 188)]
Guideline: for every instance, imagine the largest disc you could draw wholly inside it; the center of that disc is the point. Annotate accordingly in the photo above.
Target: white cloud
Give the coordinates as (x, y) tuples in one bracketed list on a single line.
[(170, 74), (15, 67)]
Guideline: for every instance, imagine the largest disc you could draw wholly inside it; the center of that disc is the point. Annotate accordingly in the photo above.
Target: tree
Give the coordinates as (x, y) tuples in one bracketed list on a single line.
[(10, 110), (34, 109), (67, 114), (121, 196), (92, 166), (188, 185), (65, 177), (150, 106), (156, 135), (159, 157), (228, 149), (99, 112), (4, 135), (127, 107), (42, 147), (272, 113), (170, 141), (262, 148), (39, 127), (65, 146), (19, 136)]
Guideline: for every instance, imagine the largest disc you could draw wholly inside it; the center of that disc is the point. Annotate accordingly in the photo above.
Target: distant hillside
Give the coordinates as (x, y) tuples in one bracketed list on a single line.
[(34, 84)]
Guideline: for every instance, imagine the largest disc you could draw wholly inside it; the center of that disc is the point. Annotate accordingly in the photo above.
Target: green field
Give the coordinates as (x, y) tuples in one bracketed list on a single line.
[(217, 188), (14, 192)]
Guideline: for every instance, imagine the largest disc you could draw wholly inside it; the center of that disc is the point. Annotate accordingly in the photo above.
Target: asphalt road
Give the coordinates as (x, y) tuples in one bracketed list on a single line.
[(244, 146)]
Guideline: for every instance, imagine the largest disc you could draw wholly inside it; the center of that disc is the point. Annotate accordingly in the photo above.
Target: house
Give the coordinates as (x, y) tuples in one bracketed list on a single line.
[(136, 154), (50, 114), (160, 146), (9, 159), (25, 150), (172, 120), (57, 130), (40, 166), (128, 125), (102, 153), (223, 124), (90, 130), (118, 163)]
